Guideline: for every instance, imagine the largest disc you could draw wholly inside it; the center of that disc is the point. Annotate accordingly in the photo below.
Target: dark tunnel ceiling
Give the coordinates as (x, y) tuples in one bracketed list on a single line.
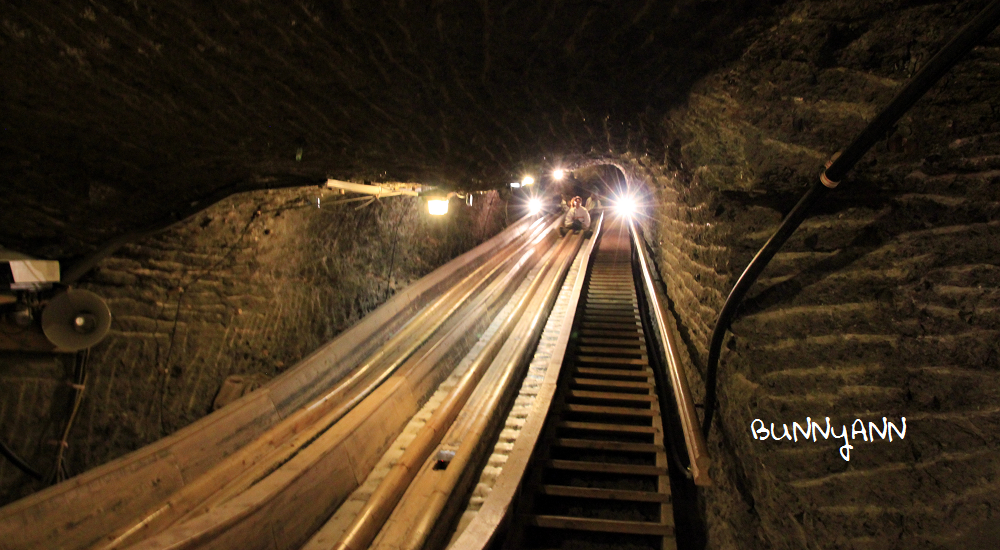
[(118, 114)]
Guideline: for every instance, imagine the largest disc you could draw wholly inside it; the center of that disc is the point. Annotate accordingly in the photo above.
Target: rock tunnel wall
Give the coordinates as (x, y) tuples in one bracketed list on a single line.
[(883, 304), (247, 287)]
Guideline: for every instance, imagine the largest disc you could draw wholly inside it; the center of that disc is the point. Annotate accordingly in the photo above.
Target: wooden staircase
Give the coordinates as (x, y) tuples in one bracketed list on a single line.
[(599, 478)]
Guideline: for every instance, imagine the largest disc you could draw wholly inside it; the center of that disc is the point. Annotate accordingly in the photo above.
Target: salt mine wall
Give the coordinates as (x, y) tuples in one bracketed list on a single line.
[(244, 289), (884, 304)]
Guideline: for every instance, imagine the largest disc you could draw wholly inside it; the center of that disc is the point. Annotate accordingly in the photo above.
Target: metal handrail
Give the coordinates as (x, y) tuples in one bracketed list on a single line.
[(693, 438)]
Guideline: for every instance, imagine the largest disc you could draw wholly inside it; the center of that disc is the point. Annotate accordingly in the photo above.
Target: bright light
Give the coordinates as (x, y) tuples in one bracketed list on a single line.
[(528, 180), (558, 174), (514, 185), (625, 206), (534, 206), (437, 207)]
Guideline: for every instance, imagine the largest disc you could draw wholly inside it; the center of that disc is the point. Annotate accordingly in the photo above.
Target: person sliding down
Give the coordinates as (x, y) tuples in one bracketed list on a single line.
[(576, 218)]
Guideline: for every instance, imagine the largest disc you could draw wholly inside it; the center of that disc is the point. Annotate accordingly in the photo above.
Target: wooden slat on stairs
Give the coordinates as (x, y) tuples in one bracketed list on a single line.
[(604, 426)]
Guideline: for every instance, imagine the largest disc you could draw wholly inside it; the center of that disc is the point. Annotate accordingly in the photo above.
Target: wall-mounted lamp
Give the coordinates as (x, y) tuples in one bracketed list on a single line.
[(437, 207)]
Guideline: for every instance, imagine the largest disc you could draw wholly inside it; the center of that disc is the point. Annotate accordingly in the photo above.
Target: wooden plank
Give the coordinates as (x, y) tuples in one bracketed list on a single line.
[(602, 427), (611, 383), (611, 396), (619, 351), (633, 332), (606, 467), (610, 326), (610, 309), (635, 342), (624, 411), (599, 445), (643, 374), (606, 317), (601, 525), (604, 494), (611, 360)]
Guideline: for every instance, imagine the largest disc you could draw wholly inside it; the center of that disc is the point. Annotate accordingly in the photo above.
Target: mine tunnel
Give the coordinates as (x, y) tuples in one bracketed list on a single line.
[(229, 319)]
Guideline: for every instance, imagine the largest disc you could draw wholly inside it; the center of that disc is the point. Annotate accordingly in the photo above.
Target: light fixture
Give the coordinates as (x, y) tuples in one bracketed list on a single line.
[(558, 174), (534, 206), (528, 180), (514, 185), (625, 206), (437, 207)]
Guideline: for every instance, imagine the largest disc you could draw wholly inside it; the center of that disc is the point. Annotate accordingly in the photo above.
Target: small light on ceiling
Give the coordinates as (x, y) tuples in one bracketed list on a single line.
[(558, 174)]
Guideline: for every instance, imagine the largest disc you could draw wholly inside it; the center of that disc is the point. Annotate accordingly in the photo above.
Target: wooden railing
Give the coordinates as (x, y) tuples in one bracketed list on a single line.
[(693, 438)]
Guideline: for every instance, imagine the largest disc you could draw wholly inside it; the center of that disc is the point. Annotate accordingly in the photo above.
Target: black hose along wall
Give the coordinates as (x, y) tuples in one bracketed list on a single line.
[(882, 304), (247, 287)]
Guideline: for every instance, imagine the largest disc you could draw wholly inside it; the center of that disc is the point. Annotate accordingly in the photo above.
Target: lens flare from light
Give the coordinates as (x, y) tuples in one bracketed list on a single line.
[(437, 207), (534, 206), (528, 180), (558, 174), (626, 206)]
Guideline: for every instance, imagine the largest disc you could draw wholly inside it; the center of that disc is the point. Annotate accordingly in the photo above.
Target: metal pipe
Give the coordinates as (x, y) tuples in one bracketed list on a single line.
[(975, 31), (693, 439)]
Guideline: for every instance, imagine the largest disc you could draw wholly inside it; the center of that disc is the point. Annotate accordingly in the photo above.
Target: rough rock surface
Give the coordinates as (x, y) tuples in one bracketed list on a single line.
[(248, 287), (119, 115)]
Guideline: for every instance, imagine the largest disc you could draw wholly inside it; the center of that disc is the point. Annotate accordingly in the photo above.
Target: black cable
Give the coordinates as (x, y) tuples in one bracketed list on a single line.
[(10, 455), (981, 26)]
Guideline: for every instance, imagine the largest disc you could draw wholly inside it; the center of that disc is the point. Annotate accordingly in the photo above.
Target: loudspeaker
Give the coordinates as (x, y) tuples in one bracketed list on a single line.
[(76, 319)]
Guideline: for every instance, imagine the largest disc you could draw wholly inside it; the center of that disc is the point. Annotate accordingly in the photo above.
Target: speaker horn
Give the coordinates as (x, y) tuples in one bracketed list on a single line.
[(76, 319)]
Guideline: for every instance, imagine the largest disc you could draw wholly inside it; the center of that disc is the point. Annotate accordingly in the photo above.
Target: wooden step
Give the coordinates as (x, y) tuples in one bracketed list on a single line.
[(605, 494), (598, 409), (610, 326), (607, 467), (631, 333), (625, 309), (618, 351), (606, 317), (601, 427), (610, 360), (611, 396), (636, 342), (611, 383), (599, 445), (601, 525), (643, 374)]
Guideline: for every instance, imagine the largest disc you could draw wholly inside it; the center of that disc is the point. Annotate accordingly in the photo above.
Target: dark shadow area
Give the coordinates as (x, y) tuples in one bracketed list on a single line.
[(128, 113)]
